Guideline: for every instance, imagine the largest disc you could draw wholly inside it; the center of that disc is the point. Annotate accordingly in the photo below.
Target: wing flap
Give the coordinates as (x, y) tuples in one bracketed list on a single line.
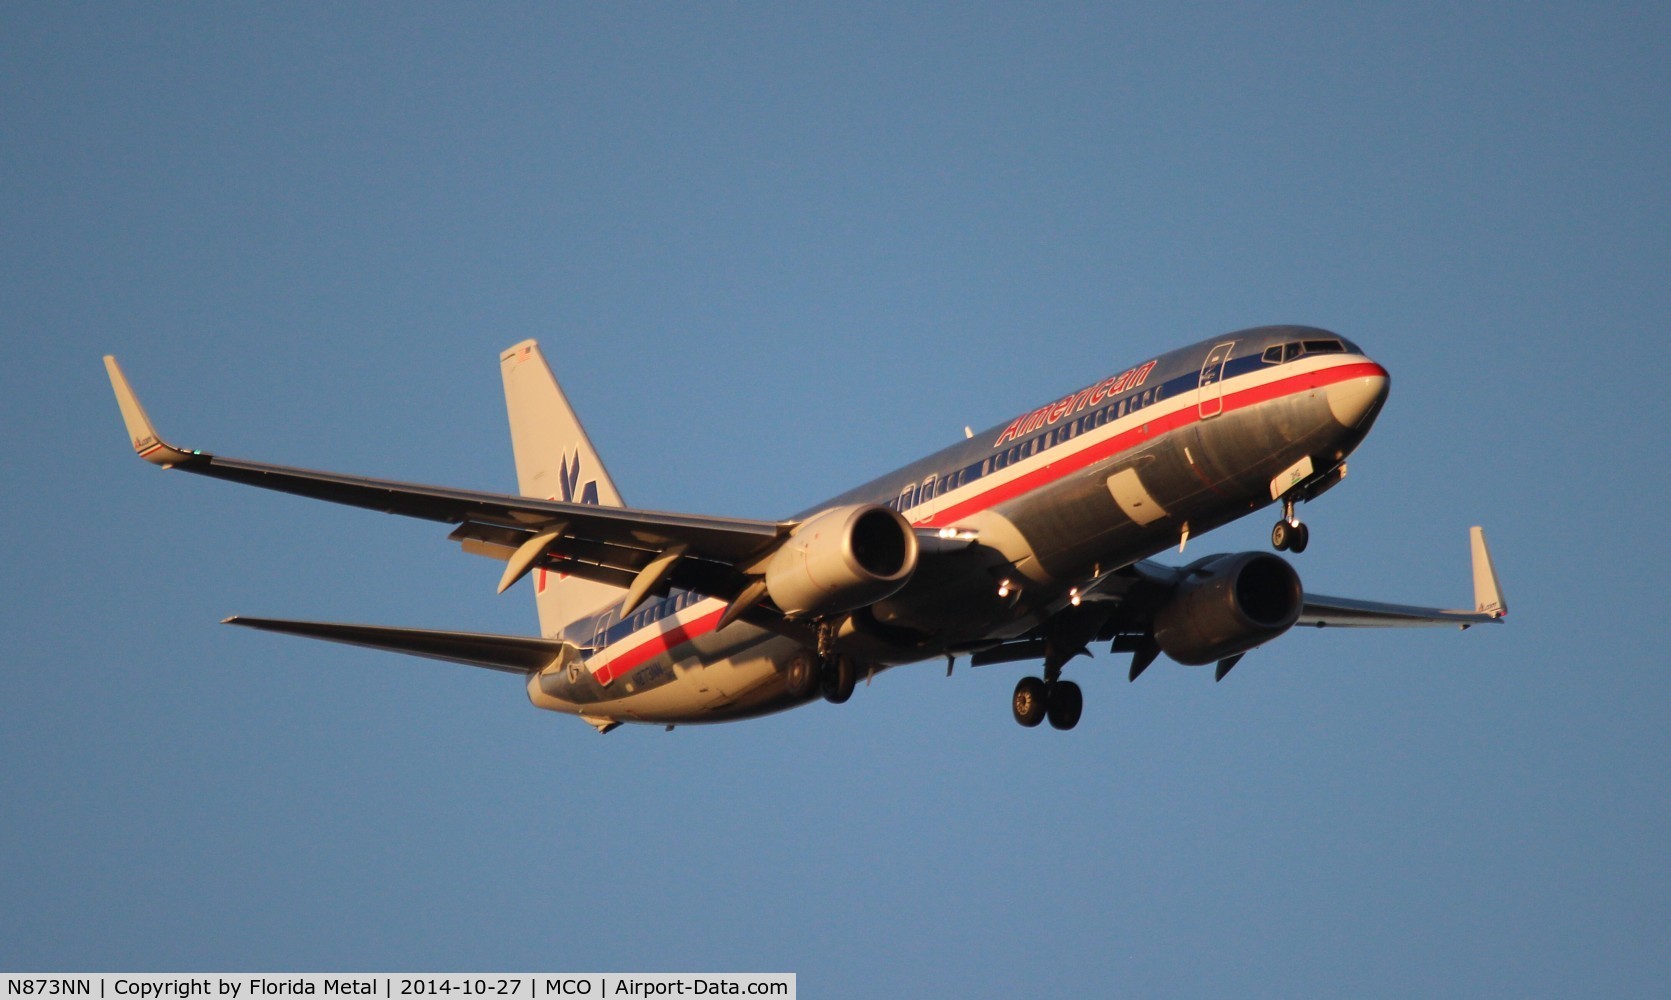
[(617, 565)]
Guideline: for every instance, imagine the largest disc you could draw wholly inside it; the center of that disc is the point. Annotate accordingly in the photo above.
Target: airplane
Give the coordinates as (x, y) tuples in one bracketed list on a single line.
[(1031, 541)]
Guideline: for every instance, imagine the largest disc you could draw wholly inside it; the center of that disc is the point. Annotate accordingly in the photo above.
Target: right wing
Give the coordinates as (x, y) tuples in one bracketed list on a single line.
[(620, 546)]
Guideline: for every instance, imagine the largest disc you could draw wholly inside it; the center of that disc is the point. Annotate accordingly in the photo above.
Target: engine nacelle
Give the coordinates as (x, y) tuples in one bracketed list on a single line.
[(841, 559), (1227, 605)]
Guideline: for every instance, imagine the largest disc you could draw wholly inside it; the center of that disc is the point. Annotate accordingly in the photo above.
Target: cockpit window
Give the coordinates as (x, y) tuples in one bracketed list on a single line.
[(1290, 351)]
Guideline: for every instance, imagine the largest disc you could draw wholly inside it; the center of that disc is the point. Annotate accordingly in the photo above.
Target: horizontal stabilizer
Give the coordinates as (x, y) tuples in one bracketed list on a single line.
[(511, 653)]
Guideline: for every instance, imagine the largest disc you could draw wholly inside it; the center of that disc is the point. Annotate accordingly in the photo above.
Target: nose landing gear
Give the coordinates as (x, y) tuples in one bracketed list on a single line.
[(1289, 535)]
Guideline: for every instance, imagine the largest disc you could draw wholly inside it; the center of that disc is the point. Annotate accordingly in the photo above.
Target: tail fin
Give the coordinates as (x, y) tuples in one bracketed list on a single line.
[(555, 460)]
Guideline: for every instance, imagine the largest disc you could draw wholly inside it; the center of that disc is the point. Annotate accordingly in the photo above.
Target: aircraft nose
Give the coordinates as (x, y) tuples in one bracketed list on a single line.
[(1355, 401)]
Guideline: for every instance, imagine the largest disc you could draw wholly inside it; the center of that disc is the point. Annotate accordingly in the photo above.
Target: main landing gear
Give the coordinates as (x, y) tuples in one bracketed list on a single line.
[(836, 673), (837, 676), (833, 677), (1290, 535), (1037, 699)]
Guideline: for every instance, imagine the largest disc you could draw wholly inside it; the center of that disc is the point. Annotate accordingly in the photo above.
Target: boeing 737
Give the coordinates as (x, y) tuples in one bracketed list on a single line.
[(1031, 541)]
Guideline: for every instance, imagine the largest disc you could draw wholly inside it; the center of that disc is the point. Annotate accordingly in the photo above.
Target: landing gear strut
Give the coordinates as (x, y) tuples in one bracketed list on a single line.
[(1290, 535)]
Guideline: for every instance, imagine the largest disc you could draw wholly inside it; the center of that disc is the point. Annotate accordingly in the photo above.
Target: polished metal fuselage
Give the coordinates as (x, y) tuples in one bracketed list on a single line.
[(1089, 485)]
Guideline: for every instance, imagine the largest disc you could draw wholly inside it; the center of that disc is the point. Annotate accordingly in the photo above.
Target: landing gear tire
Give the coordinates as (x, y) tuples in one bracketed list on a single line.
[(1066, 703), (1029, 701), (800, 677), (1290, 537), (837, 677)]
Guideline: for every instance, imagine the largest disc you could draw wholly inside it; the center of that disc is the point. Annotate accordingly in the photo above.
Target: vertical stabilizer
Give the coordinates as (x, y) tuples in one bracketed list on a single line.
[(555, 460)]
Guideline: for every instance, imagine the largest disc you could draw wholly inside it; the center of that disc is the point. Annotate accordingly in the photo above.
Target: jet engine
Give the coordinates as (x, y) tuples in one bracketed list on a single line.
[(1228, 604), (841, 559)]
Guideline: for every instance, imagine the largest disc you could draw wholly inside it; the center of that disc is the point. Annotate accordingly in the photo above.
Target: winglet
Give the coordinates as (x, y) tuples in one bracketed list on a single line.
[(146, 443), (1488, 594)]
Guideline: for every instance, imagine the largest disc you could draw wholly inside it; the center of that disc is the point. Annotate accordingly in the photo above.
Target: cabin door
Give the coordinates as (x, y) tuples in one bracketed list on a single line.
[(1210, 396)]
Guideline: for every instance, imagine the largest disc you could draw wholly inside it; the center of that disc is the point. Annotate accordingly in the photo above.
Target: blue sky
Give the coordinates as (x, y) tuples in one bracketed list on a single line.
[(774, 250)]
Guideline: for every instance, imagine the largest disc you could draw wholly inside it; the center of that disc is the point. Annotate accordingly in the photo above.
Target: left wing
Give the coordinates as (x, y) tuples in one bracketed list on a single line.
[(620, 546), (1122, 608), (1344, 612)]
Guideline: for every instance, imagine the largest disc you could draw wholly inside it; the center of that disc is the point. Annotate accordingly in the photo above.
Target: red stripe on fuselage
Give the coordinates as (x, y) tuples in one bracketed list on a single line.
[(656, 645), (1164, 424), (1037, 479)]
